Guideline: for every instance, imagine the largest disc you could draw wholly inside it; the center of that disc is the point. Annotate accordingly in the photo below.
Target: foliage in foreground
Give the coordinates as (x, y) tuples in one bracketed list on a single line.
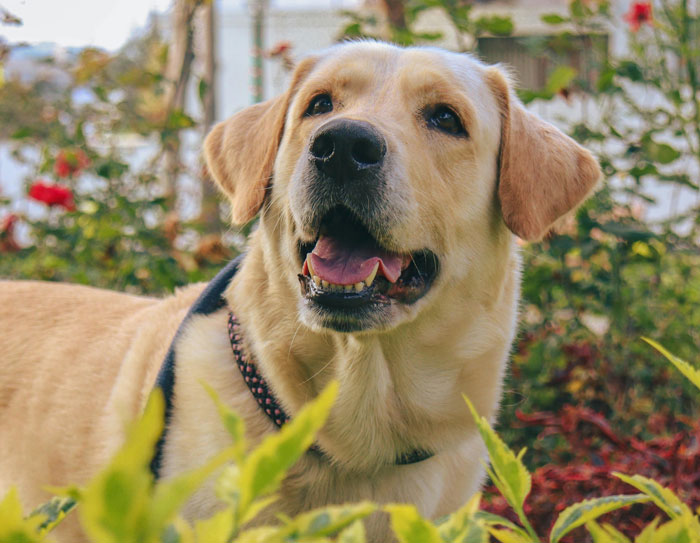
[(123, 503)]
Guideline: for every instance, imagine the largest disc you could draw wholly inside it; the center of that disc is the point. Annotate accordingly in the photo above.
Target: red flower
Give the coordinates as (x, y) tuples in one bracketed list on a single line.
[(639, 13), (7, 234), (70, 162), (52, 195), (280, 48)]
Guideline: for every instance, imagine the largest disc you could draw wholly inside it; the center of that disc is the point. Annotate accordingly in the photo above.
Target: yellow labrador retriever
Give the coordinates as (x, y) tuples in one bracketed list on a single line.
[(390, 183)]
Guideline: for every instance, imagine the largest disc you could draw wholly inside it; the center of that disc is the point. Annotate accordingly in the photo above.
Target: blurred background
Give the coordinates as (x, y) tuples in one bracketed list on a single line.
[(103, 107)]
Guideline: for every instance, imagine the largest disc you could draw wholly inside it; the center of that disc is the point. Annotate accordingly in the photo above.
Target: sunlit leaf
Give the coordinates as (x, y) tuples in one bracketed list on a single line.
[(674, 531), (489, 519), (215, 529), (664, 498), (509, 473), (605, 533), (693, 374), (355, 533), (265, 467), (660, 152), (328, 520), (560, 78), (578, 514), (460, 520), (115, 503), (13, 526), (553, 19), (232, 421), (410, 527), (509, 536), (54, 511)]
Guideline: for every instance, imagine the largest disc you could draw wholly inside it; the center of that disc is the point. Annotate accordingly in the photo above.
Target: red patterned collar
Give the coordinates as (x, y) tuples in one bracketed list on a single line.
[(266, 399)]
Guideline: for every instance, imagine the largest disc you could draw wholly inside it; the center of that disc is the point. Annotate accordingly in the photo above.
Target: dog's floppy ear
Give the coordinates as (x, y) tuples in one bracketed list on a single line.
[(543, 173), (240, 152)]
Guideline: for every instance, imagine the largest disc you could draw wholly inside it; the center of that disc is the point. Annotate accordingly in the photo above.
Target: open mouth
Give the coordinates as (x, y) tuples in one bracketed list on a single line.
[(346, 268)]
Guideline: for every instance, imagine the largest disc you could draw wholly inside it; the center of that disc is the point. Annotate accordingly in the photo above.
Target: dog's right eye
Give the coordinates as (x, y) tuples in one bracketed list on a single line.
[(319, 105)]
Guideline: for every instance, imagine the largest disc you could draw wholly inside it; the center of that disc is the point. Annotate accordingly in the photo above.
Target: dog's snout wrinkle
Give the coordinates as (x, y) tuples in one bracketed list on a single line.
[(344, 149)]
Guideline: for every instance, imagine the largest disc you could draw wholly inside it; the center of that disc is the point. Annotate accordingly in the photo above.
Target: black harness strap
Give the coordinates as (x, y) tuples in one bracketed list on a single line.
[(209, 301)]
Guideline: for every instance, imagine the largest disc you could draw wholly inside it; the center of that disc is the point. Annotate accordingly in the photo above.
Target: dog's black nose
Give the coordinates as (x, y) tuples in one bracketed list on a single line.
[(343, 149)]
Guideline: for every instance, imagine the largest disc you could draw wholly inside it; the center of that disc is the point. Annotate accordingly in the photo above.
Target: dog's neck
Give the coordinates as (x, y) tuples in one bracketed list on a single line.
[(400, 389)]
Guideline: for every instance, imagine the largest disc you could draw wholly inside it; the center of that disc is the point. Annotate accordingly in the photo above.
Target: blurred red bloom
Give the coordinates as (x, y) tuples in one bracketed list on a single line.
[(7, 234), (639, 13), (52, 195), (280, 48), (69, 162)]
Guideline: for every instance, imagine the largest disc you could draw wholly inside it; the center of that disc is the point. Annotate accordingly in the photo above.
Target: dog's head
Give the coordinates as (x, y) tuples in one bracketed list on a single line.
[(385, 174)]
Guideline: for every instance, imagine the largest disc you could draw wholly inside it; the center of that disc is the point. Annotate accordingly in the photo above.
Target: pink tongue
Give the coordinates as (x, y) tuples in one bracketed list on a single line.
[(348, 263)]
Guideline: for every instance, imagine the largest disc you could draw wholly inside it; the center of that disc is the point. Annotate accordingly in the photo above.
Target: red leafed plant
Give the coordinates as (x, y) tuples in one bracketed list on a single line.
[(595, 452), (52, 195)]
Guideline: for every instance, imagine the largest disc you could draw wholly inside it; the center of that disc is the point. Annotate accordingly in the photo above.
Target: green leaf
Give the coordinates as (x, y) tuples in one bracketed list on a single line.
[(179, 120), (606, 80), (13, 527), (355, 533), (578, 514), (328, 520), (263, 470), (630, 70), (509, 473), (410, 527), (233, 423), (508, 536), (263, 534), (215, 529), (202, 89), (170, 495), (489, 519), (647, 534), (681, 365), (660, 152), (560, 78), (496, 25), (111, 169), (674, 531), (664, 498), (605, 533), (115, 503), (54, 511), (553, 19), (463, 523)]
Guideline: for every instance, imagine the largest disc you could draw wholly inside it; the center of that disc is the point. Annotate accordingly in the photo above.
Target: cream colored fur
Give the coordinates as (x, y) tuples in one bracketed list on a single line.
[(76, 362)]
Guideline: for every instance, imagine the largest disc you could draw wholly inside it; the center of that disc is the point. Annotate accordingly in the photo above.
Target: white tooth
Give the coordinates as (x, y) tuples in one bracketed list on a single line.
[(316, 279), (348, 288), (308, 264), (370, 278), (359, 286), (324, 283)]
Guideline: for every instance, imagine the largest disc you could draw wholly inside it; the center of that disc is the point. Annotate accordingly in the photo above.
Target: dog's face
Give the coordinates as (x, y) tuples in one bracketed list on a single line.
[(387, 173)]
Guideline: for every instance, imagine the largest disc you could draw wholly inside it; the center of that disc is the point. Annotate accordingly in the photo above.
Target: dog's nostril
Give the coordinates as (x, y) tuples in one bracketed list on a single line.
[(367, 152), (323, 147)]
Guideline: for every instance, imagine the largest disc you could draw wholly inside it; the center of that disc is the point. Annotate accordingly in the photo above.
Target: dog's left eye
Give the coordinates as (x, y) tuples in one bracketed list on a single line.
[(319, 105), (446, 120)]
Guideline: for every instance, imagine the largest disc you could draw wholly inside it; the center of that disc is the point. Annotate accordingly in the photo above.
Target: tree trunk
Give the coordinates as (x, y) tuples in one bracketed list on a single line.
[(177, 72), (210, 197)]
